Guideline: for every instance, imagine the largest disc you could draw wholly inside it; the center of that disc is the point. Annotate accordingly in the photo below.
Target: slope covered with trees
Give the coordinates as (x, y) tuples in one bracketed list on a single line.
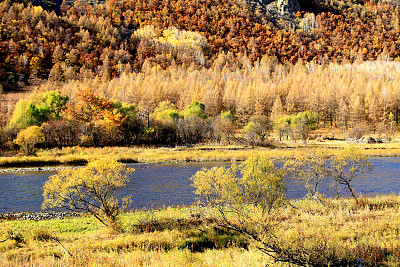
[(87, 40), (127, 72)]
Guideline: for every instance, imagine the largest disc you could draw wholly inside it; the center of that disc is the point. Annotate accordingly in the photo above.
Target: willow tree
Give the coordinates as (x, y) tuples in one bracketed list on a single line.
[(249, 199), (311, 169), (347, 166), (90, 189)]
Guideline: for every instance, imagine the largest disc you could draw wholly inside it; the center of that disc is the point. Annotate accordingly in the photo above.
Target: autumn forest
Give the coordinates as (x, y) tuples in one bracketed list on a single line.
[(152, 72), (155, 97)]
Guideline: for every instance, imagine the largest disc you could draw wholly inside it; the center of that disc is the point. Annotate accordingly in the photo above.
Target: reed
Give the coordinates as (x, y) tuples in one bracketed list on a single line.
[(190, 236)]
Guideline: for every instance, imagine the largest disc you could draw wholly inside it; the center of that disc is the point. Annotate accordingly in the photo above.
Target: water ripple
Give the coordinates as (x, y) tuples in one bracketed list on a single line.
[(157, 185)]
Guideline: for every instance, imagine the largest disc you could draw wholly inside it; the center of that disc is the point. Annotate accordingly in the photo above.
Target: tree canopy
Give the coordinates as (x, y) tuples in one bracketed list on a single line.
[(89, 189)]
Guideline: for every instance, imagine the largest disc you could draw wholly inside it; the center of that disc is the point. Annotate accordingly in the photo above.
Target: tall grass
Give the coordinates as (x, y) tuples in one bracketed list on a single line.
[(81, 155), (191, 237)]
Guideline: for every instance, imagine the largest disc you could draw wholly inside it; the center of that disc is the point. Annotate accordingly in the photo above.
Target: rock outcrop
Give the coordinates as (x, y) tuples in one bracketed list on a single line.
[(288, 7), (279, 8)]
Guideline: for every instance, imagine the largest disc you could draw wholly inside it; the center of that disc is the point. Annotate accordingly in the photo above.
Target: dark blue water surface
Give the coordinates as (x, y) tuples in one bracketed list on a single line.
[(157, 185)]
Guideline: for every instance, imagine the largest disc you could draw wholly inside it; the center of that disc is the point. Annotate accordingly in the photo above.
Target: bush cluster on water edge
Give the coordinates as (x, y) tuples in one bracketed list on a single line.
[(191, 236)]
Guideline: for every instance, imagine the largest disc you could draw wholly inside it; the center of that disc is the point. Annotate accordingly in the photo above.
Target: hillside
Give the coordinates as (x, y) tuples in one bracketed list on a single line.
[(87, 40), (153, 72)]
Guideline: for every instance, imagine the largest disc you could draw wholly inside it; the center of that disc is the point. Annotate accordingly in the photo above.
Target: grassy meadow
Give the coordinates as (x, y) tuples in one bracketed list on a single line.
[(191, 236)]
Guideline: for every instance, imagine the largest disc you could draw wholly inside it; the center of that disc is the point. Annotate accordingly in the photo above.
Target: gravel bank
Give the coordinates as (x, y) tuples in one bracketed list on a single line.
[(38, 169), (37, 216)]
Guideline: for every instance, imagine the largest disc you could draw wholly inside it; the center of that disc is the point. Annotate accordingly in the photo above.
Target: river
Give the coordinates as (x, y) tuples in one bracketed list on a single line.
[(158, 185)]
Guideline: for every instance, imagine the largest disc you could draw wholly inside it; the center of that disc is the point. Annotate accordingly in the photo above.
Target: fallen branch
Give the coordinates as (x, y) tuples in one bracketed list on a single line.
[(10, 237), (69, 253)]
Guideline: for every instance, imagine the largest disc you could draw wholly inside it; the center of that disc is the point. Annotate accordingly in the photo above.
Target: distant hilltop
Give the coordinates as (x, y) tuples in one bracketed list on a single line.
[(274, 7)]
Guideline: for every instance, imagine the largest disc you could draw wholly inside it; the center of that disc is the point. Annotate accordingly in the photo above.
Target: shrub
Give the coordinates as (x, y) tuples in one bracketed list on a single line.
[(28, 138), (89, 189)]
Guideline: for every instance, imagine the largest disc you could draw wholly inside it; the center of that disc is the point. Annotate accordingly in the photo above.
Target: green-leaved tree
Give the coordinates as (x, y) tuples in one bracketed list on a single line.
[(37, 109)]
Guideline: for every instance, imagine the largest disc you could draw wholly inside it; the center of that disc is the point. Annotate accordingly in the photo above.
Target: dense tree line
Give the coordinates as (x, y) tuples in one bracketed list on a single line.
[(221, 104), (52, 120), (358, 93)]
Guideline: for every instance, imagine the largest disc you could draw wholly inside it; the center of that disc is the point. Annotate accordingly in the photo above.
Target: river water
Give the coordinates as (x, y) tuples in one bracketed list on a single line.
[(158, 185)]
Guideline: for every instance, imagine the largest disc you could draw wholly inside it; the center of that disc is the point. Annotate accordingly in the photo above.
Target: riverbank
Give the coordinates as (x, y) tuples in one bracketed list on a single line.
[(191, 237), (38, 169), (72, 156), (38, 216)]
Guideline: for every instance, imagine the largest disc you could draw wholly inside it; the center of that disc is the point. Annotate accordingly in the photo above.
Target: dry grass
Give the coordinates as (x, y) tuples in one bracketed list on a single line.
[(169, 237), (81, 155), (369, 231), (174, 237)]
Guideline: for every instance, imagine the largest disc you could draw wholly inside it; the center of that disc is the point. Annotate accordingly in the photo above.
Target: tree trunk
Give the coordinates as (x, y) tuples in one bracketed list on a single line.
[(352, 192)]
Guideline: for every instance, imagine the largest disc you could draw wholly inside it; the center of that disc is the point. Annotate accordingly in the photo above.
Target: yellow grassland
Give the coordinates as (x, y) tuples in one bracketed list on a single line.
[(200, 153), (174, 237)]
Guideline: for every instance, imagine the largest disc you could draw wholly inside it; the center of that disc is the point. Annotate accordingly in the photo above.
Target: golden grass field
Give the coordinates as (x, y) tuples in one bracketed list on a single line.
[(174, 237), (200, 153)]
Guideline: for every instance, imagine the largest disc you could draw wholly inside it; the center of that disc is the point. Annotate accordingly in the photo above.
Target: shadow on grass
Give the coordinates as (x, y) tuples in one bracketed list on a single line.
[(201, 234)]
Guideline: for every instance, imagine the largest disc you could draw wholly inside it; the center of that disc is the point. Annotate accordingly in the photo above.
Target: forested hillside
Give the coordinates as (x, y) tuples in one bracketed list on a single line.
[(88, 40), (188, 71)]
